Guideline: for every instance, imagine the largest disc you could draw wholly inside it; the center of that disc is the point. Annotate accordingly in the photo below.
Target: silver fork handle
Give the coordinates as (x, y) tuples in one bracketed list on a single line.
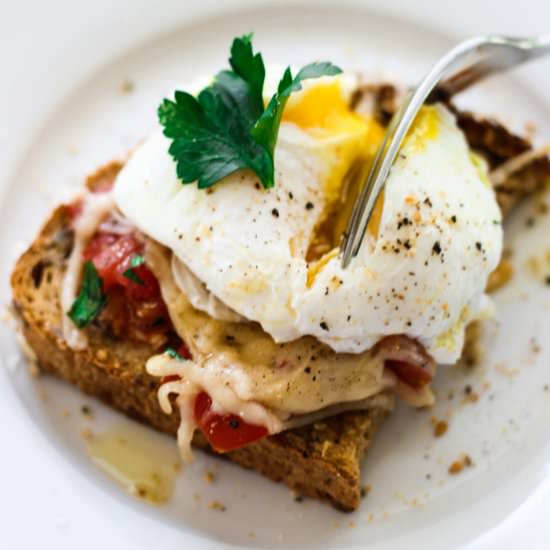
[(465, 64)]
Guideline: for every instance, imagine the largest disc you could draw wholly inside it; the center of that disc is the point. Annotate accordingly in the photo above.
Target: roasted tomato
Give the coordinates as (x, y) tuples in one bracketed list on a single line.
[(225, 432), (183, 350), (135, 308), (75, 209), (413, 375)]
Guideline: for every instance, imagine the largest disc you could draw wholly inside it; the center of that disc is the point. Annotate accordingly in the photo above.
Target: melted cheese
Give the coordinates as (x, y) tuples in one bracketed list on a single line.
[(199, 296), (226, 400), (95, 206), (246, 373), (291, 378)]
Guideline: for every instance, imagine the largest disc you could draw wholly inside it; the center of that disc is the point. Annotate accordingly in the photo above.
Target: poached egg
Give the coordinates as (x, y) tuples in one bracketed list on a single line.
[(271, 256)]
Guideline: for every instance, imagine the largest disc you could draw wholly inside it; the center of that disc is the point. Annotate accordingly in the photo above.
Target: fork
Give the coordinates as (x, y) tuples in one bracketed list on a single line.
[(466, 64)]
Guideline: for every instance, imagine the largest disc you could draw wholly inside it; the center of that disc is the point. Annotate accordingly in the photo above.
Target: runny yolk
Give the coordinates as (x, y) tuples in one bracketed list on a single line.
[(323, 111), (376, 217), (425, 128), (322, 106)]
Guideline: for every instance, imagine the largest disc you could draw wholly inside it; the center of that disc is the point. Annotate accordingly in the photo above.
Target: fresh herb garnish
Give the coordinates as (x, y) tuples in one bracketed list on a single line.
[(173, 354), (91, 299), (136, 261), (265, 130), (226, 128)]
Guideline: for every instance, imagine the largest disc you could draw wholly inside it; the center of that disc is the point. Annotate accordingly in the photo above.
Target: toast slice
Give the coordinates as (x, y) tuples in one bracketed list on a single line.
[(320, 460)]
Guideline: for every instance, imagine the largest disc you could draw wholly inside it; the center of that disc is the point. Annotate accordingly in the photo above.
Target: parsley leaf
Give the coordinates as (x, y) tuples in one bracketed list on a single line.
[(226, 127), (136, 261), (250, 67), (211, 133), (171, 352), (91, 299), (267, 127)]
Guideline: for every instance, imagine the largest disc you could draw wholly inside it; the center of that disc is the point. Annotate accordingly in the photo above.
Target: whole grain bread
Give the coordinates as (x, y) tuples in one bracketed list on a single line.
[(321, 460)]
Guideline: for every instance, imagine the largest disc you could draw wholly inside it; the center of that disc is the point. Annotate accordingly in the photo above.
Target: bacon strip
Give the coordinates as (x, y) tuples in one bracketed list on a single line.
[(407, 359)]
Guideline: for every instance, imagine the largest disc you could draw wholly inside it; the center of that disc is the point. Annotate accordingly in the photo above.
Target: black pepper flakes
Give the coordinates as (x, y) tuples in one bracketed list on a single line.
[(307, 370), (428, 202), (479, 246), (436, 248), (547, 280), (234, 424), (309, 205), (323, 325), (404, 222), (275, 213), (453, 219)]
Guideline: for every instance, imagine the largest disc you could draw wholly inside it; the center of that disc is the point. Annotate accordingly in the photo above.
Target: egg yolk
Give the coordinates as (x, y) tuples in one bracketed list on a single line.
[(323, 111), (323, 107), (424, 128), (351, 140)]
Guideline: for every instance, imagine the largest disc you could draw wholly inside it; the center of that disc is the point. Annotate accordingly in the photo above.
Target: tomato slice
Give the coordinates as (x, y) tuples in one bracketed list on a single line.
[(111, 255), (169, 378), (409, 374), (225, 432), (184, 352), (75, 209), (135, 308)]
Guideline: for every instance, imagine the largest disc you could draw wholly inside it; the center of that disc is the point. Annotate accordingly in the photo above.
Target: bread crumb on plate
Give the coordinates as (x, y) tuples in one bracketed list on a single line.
[(440, 427), (209, 476), (458, 465), (86, 434), (216, 505)]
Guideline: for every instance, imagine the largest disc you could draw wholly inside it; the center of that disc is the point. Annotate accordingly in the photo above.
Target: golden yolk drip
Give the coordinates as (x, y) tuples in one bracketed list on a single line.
[(424, 128), (315, 267), (481, 168), (376, 217), (322, 107), (351, 140), (323, 112)]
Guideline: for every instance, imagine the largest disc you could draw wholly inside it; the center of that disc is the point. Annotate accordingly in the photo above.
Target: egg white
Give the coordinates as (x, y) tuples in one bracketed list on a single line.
[(248, 244)]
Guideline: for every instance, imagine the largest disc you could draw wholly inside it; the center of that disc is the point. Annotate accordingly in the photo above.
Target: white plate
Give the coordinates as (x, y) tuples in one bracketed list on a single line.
[(63, 114)]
